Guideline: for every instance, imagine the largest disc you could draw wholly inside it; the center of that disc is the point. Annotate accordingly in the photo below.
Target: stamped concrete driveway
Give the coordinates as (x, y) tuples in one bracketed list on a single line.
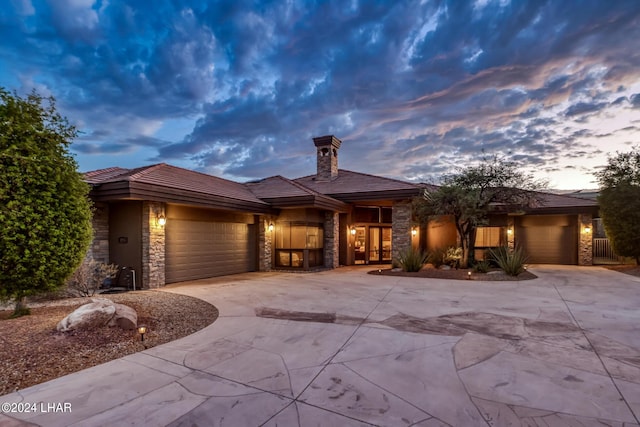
[(561, 350)]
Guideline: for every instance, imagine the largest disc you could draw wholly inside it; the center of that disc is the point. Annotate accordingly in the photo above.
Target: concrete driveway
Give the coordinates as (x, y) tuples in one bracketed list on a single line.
[(561, 350)]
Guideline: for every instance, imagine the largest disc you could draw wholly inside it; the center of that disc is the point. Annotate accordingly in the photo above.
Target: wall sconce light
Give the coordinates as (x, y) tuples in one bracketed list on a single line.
[(509, 231), (414, 231), (271, 226), (161, 220), (142, 330), (587, 229), (353, 231)]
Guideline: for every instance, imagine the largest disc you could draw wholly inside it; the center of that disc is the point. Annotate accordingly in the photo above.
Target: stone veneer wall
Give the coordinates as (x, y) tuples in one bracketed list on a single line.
[(331, 239), (153, 245), (265, 244), (99, 249), (327, 165), (400, 227), (585, 239)]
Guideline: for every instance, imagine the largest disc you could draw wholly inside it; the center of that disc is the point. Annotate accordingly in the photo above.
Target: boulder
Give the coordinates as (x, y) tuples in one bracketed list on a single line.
[(125, 317), (99, 312), (88, 316)]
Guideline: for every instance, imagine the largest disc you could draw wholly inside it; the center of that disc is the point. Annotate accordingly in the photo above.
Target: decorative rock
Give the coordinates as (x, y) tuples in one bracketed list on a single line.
[(125, 317), (99, 312), (88, 316)]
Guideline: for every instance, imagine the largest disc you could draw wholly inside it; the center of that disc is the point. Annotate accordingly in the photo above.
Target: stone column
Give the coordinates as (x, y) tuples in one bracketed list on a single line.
[(400, 228), (585, 239), (265, 243), (99, 249), (511, 233), (153, 246), (331, 239)]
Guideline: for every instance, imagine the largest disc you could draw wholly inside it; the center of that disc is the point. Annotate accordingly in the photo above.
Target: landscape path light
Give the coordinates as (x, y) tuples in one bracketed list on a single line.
[(142, 330)]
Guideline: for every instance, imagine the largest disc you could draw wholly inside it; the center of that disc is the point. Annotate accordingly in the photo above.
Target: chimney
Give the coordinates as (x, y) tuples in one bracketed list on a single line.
[(327, 156)]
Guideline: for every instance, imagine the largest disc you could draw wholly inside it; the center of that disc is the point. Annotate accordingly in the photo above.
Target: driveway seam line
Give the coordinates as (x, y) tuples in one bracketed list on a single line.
[(583, 331), (328, 362)]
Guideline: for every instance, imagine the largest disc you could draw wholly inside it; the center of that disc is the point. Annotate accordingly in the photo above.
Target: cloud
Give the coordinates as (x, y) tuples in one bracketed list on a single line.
[(430, 84)]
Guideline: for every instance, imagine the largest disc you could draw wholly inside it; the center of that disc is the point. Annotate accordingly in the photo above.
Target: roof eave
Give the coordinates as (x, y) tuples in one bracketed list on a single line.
[(127, 190)]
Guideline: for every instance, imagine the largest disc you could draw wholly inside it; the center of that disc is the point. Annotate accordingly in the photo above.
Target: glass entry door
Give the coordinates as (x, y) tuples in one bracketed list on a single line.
[(379, 245)]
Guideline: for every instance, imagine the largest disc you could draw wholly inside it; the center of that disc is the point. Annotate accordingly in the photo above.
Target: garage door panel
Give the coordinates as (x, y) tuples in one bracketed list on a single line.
[(548, 240), (198, 249)]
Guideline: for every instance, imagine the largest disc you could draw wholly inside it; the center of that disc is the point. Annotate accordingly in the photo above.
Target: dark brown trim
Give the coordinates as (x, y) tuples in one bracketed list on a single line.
[(127, 190), (377, 195)]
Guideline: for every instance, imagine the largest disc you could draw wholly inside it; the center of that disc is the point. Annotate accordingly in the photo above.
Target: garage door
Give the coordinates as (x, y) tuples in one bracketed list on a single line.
[(200, 249), (549, 239)]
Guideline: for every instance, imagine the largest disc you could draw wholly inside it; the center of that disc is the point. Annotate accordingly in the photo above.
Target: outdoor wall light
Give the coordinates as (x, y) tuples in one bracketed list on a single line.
[(142, 330), (271, 227), (587, 229), (414, 231), (509, 231), (161, 220), (353, 231)]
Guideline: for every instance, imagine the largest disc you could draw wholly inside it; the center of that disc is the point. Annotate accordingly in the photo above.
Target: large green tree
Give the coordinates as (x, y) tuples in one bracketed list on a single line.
[(471, 194), (45, 214), (619, 201)]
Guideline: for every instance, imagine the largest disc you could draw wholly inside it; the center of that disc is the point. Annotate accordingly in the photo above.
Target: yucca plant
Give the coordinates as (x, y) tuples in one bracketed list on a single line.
[(510, 261), (411, 259)]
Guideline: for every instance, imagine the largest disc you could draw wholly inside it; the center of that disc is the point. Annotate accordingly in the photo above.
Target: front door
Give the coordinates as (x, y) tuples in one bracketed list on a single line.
[(379, 245)]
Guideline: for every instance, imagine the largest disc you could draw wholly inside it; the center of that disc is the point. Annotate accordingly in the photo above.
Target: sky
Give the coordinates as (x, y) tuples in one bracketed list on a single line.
[(414, 89)]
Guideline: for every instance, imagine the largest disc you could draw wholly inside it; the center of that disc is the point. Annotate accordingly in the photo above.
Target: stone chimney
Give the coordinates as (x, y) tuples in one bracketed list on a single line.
[(327, 156)]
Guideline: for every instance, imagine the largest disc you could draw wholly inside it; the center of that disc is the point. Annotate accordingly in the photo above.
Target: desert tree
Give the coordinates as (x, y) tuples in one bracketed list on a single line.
[(45, 214), (471, 194), (619, 201)]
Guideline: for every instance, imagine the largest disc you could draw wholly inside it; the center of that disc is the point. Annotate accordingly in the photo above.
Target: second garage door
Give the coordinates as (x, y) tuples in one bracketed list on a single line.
[(549, 239), (201, 249)]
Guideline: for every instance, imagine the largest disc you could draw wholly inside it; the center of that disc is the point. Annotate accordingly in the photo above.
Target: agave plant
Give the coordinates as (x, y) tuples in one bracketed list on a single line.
[(411, 259), (511, 261)]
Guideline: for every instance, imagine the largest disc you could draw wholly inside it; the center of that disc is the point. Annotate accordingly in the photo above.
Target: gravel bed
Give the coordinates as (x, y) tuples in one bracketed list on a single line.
[(495, 275), (32, 351)]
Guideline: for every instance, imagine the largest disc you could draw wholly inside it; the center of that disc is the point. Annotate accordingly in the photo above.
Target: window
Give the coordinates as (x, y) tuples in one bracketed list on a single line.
[(367, 214), (297, 241), (489, 237)]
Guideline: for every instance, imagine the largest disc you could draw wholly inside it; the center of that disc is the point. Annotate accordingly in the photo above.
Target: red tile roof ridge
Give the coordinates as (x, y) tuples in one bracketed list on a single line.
[(289, 181), (363, 174), (301, 186), (104, 170), (144, 170)]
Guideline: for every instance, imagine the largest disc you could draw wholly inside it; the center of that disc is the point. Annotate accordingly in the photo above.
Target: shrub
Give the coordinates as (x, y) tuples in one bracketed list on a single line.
[(453, 256), (411, 259), (511, 261), (482, 266), (437, 257), (88, 278)]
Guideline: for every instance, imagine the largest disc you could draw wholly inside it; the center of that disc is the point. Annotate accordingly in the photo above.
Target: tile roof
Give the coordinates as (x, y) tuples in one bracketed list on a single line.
[(353, 186), (174, 184), (282, 192), (170, 178), (100, 175), (551, 200)]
